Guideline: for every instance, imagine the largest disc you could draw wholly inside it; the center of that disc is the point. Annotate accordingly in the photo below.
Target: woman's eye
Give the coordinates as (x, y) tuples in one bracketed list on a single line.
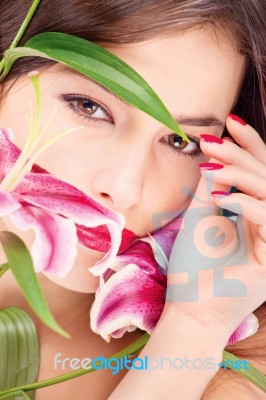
[(86, 108), (180, 145)]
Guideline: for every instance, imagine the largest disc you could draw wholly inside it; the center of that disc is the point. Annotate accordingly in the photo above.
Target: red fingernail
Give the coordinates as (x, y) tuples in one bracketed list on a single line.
[(237, 119), (219, 193), (211, 166), (211, 138)]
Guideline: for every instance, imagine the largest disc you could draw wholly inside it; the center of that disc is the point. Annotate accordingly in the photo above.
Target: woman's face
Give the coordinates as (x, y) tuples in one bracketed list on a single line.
[(120, 156)]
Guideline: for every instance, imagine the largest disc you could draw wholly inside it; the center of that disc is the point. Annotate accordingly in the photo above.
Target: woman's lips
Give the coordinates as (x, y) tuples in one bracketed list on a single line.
[(98, 238)]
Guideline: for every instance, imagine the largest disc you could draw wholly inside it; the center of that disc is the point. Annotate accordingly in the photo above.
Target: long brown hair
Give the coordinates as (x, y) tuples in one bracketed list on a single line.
[(119, 22)]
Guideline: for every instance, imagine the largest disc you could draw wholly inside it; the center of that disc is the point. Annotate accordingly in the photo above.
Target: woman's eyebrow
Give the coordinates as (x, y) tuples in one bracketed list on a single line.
[(198, 120)]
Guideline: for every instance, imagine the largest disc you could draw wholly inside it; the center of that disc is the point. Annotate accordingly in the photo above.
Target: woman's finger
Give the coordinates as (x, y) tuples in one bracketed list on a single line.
[(252, 209), (229, 153), (202, 199), (243, 179), (246, 137)]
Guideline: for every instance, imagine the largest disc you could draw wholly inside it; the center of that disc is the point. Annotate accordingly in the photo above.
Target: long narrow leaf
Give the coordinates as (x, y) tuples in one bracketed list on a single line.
[(19, 393), (100, 65), (19, 350), (20, 262)]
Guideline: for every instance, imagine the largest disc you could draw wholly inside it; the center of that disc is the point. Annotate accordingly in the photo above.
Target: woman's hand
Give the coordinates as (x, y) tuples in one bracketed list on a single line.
[(217, 269)]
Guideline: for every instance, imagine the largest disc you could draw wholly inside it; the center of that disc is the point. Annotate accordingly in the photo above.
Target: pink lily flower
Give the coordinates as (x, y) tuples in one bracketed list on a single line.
[(131, 294), (54, 210), (130, 297), (132, 291), (247, 328)]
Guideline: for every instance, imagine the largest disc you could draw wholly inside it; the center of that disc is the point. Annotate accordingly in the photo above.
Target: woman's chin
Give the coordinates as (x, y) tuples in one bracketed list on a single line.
[(80, 279)]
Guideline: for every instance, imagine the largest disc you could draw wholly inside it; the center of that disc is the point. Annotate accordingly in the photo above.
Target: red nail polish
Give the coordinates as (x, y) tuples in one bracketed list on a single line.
[(219, 193), (237, 119), (211, 138), (211, 166)]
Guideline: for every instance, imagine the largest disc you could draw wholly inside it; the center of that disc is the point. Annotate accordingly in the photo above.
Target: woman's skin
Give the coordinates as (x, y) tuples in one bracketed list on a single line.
[(122, 159)]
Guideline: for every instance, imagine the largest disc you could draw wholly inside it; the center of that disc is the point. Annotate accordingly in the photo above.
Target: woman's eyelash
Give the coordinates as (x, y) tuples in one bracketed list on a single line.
[(183, 145), (91, 111), (78, 103)]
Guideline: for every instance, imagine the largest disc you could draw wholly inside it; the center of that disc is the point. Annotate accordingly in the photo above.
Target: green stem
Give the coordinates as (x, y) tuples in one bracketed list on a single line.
[(25, 24), (253, 374), (2, 65), (131, 349), (21, 30), (3, 268), (22, 163), (16, 173), (19, 393), (37, 115)]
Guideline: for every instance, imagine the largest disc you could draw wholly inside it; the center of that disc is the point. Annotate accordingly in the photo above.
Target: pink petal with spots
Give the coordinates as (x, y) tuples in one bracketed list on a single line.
[(8, 203), (51, 194), (120, 332), (55, 246), (129, 298), (247, 328), (141, 254), (9, 153)]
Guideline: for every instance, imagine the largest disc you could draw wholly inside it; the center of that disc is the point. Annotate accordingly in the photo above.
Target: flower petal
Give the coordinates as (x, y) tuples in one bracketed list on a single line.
[(49, 193), (141, 254), (8, 203), (9, 153), (120, 332), (129, 298), (166, 235), (247, 328), (55, 245)]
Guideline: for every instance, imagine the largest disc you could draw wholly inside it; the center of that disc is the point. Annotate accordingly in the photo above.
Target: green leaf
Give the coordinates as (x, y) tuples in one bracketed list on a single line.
[(100, 65), (252, 374), (19, 350), (20, 262), (3, 269), (133, 348), (19, 393)]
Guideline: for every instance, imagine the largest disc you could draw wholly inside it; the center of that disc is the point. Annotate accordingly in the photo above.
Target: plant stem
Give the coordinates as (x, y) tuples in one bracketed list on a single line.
[(25, 23), (131, 349), (19, 393), (253, 374), (37, 115), (2, 65), (22, 29), (3, 268)]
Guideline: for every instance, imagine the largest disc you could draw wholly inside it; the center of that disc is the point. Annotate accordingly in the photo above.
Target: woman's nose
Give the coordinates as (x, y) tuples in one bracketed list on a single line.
[(119, 177)]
